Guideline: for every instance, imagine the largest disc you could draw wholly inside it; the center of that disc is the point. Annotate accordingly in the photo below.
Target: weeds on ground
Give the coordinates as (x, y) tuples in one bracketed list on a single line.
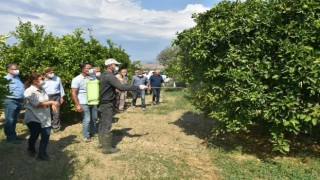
[(244, 162), (152, 165), (171, 100), (235, 165)]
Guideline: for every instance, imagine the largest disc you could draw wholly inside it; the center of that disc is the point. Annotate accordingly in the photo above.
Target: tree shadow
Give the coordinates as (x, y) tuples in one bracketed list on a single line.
[(119, 134), (195, 124), (15, 163), (254, 142), (68, 119), (21, 133)]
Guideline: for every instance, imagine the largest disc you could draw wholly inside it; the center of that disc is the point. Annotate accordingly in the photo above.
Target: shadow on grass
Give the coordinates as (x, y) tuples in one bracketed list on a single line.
[(15, 163), (195, 124), (256, 142), (119, 134), (21, 133), (68, 119)]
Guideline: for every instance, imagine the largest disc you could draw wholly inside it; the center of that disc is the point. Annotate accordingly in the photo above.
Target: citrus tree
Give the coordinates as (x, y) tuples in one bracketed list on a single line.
[(256, 63), (3, 88), (36, 49)]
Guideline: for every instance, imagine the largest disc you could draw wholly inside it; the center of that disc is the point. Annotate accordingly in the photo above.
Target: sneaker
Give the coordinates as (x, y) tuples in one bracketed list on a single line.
[(143, 108), (55, 130), (87, 139), (154, 103)]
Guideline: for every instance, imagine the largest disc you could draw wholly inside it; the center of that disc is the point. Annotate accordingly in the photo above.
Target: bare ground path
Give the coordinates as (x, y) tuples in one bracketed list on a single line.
[(153, 145)]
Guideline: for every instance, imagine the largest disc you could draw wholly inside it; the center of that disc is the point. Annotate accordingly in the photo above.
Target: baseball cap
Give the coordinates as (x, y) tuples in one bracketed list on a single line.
[(111, 61)]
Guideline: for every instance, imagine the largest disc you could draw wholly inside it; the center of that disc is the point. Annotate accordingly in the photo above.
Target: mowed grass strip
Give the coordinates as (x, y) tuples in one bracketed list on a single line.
[(234, 164), (69, 158), (154, 165)]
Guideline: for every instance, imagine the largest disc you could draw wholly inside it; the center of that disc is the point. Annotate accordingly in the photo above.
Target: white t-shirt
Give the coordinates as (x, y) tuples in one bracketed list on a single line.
[(79, 82)]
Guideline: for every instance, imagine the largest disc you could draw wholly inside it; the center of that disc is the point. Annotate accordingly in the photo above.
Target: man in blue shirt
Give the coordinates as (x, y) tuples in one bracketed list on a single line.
[(155, 81), (13, 103), (137, 80), (54, 88)]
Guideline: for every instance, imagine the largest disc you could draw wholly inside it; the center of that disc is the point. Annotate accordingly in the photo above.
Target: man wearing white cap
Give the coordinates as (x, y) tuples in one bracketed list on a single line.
[(108, 85)]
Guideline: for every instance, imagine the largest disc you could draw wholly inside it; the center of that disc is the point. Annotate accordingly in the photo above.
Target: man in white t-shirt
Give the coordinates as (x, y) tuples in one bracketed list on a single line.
[(79, 96)]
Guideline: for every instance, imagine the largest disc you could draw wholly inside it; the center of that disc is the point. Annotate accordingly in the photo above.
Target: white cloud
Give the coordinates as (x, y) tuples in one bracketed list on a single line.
[(122, 17), (194, 8), (124, 20)]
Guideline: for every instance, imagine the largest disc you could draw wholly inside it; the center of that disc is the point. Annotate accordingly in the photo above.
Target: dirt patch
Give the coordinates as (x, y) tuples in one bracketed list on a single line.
[(152, 146)]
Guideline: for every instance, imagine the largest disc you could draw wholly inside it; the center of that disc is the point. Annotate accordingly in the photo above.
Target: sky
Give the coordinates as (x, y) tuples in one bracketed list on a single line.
[(142, 27)]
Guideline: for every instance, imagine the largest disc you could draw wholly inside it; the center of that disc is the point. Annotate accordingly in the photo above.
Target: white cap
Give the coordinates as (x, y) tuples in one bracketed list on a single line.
[(111, 61)]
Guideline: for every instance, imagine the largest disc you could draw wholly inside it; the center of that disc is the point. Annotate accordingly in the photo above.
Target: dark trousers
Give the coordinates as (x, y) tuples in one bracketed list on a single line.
[(156, 94), (55, 115), (106, 111), (35, 130)]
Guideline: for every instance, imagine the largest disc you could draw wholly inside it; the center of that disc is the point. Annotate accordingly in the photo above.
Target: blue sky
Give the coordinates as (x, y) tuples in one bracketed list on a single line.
[(142, 27)]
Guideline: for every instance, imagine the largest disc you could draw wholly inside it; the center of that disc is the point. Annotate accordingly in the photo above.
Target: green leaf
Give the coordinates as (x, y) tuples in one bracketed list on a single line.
[(308, 118), (275, 76), (314, 122), (286, 148)]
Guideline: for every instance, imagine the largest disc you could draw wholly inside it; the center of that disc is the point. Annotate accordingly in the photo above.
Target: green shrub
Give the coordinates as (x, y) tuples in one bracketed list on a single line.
[(3, 88), (256, 63), (35, 49)]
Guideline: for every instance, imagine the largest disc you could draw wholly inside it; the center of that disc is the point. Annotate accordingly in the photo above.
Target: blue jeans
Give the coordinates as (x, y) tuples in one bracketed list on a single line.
[(11, 113), (156, 94), (89, 115), (35, 130), (141, 93)]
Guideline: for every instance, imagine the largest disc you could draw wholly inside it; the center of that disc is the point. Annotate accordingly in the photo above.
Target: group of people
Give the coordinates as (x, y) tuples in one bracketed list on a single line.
[(152, 81), (43, 93)]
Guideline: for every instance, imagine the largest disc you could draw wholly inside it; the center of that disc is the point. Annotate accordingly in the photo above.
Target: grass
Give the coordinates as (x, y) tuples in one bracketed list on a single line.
[(21, 129), (230, 159), (235, 165), (153, 165), (173, 100)]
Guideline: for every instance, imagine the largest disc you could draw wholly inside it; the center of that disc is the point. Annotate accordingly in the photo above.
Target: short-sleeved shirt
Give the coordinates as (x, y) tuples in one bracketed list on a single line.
[(54, 86), (15, 87), (79, 82), (140, 80), (33, 97)]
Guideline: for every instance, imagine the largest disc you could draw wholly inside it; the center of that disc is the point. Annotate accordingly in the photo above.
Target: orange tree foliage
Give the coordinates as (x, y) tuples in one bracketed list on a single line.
[(256, 63), (35, 49)]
